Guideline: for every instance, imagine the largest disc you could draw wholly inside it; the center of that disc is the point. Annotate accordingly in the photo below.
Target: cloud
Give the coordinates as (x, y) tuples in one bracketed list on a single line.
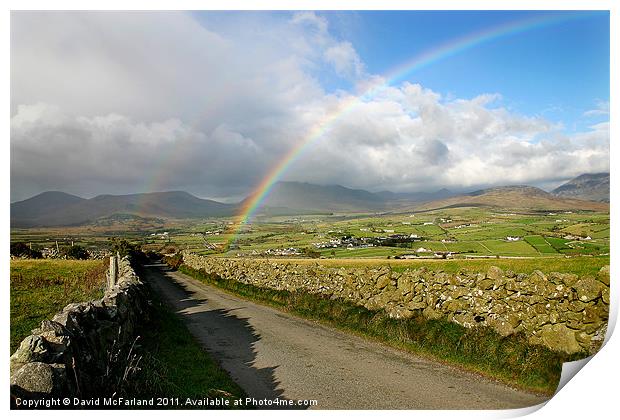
[(110, 102), (344, 59), (89, 155), (602, 108), (412, 139)]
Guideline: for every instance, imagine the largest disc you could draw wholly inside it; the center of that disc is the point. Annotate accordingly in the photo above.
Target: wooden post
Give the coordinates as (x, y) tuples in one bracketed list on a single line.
[(113, 272)]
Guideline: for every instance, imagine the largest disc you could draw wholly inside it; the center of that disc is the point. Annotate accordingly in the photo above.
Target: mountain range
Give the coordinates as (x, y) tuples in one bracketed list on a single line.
[(594, 187), (55, 208)]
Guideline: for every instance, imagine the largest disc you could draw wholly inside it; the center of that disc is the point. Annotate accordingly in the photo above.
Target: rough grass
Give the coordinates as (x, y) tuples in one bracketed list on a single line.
[(174, 364), (509, 359), (575, 265), (40, 288)]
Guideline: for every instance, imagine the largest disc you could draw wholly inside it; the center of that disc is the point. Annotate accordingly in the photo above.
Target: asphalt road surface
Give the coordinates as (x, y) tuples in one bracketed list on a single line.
[(272, 354)]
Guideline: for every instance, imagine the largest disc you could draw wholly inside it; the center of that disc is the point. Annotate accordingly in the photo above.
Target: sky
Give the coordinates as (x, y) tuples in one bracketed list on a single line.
[(212, 102)]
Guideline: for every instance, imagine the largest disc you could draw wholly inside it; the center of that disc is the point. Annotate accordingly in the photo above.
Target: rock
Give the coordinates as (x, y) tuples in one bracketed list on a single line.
[(454, 306), (598, 337), (512, 285), (486, 284), (603, 275), (32, 349), (605, 295), (494, 273), (514, 320), (584, 340), (560, 337), (569, 279), (431, 313), (576, 306), (37, 378), (383, 281), (413, 305), (404, 284), (400, 312), (538, 276), (588, 288), (594, 314), (554, 317), (504, 328), (466, 320), (458, 292)]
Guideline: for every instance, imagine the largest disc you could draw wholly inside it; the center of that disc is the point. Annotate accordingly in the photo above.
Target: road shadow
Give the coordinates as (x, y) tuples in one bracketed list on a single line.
[(230, 339)]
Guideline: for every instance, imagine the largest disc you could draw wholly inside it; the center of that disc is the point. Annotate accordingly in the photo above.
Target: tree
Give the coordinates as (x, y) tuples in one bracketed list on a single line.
[(310, 253), (20, 249), (124, 248), (77, 252)]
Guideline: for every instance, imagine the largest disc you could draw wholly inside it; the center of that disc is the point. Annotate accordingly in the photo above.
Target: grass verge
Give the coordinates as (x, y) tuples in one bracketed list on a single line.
[(576, 265), (175, 366), (509, 359), (40, 288)]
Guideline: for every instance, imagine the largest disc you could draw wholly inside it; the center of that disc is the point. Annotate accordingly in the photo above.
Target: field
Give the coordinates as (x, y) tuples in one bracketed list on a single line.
[(40, 288), (451, 238)]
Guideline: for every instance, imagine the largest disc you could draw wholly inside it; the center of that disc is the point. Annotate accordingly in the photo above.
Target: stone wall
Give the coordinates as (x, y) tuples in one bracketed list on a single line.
[(82, 349), (561, 311)]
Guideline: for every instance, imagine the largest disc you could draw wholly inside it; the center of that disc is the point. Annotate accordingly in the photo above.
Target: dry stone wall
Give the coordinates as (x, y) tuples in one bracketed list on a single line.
[(561, 311), (79, 351)]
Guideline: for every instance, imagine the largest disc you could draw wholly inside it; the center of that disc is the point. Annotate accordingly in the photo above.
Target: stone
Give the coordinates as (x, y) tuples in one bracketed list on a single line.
[(539, 276), (454, 306), (504, 328), (431, 313), (383, 281), (560, 337), (413, 305), (37, 378), (588, 288), (605, 295), (598, 337), (400, 312), (594, 314), (32, 349), (494, 273), (486, 284), (466, 320), (404, 284), (576, 306), (554, 317), (584, 339), (603, 275), (458, 292), (514, 320)]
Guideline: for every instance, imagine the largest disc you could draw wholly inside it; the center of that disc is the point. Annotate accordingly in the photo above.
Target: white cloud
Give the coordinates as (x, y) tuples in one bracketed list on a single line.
[(602, 108), (344, 59)]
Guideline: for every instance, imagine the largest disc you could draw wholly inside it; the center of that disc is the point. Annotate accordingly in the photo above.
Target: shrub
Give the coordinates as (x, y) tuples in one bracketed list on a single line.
[(125, 248), (20, 249), (77, 252), (174, 261)]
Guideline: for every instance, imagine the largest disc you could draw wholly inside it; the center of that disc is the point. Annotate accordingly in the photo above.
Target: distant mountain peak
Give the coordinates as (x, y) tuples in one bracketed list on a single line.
[(592, 187), (524, 189), (61, 209)]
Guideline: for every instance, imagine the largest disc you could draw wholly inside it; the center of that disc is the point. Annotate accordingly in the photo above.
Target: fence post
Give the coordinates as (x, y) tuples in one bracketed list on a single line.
[(113, 271)]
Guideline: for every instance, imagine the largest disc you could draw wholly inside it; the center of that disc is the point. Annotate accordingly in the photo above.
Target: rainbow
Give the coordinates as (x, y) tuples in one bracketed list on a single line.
[(426, 58)]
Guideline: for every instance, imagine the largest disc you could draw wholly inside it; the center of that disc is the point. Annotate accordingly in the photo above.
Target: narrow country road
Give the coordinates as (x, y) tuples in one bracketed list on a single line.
[(274, 354)]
